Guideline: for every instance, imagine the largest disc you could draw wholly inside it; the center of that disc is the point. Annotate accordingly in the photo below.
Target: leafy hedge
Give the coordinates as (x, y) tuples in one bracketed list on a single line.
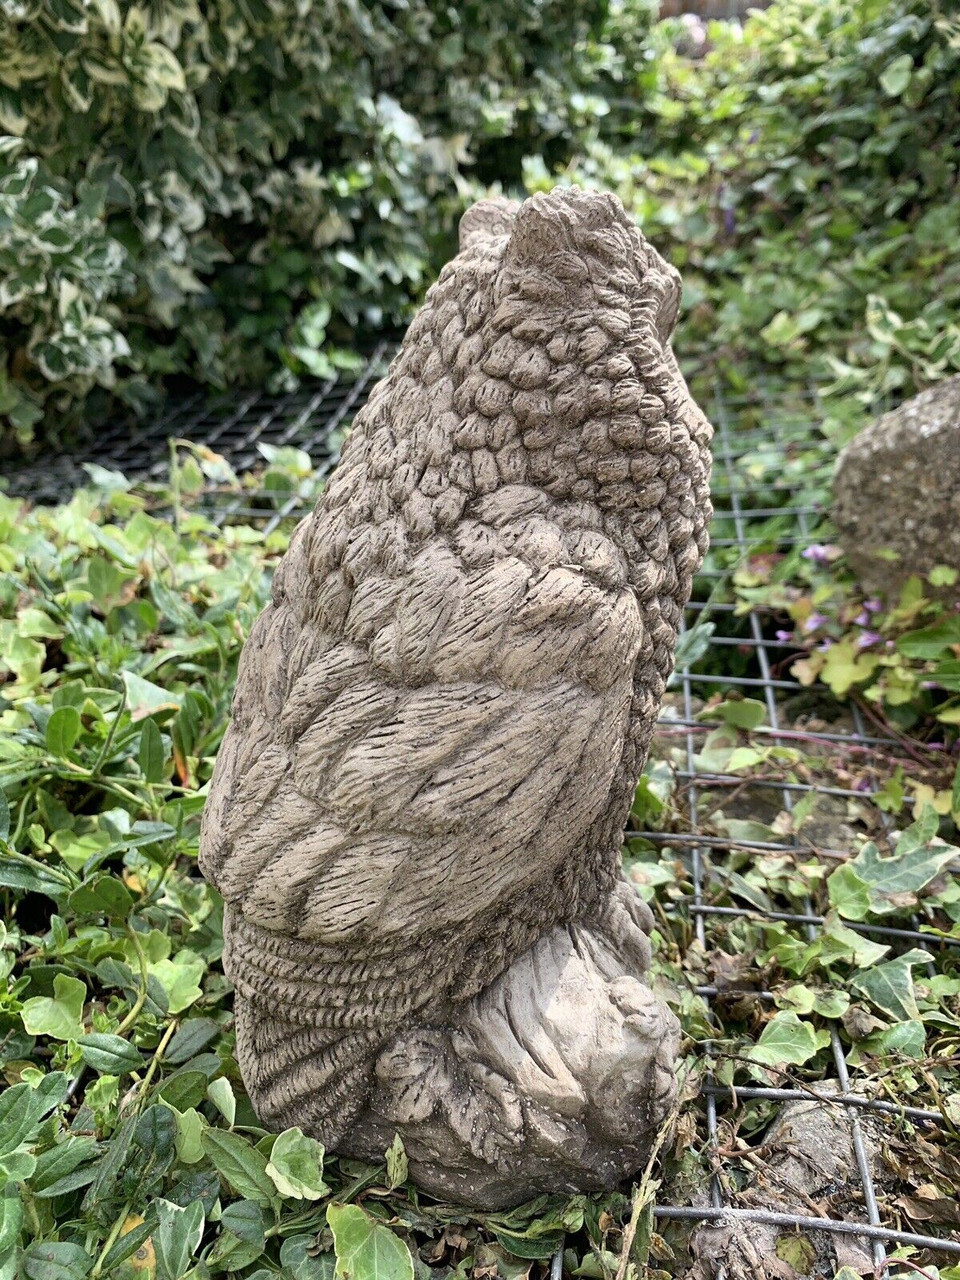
[(236, 192), (223, 190), (804, 178)]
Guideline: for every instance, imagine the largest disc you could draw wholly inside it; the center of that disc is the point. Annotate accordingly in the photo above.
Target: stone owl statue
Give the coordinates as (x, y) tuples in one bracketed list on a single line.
[(415, 817)]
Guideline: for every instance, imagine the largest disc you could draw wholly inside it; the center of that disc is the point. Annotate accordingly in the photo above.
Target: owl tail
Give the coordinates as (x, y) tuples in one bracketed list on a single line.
[(305, 1076), (309, 1026)]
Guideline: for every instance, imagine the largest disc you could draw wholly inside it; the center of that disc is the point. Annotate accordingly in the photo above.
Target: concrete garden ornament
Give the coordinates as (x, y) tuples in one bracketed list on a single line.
[(439, 721)]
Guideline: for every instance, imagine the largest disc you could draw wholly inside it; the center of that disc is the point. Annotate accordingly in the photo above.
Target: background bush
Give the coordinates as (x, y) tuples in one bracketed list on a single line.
[(217, 191), (803, 177), (240, 191)]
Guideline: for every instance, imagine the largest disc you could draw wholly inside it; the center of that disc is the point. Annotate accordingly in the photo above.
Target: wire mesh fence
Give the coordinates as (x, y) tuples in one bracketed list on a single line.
[(764, 456)]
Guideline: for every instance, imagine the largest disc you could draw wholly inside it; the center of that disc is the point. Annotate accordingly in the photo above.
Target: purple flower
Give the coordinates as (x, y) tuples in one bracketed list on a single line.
[(862, 619), (785, 637), (866, 638), (862, 784), (824, 645), (820, 552), (815, 622), (930, 684), (872, 606)]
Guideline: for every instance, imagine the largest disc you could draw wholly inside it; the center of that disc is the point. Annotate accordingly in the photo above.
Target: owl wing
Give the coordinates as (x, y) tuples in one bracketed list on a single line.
[(419, 779)]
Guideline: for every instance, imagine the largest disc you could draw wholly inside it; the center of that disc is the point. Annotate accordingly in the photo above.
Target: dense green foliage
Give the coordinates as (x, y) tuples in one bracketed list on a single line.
[(127, 1144), (213, 190), (803, 177), (234, 193)]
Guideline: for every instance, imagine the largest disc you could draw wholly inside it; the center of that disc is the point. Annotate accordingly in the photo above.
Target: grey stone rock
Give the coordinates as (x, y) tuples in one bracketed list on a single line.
[(416, 813), (897, 492)]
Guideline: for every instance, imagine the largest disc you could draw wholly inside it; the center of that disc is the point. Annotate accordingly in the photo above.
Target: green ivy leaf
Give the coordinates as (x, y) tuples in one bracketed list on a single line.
[(180, 976), (296, 1166), (787, 1040), (364, 1249), (60, 1015), (872, 884), (101, 895), (177, 1237), (220, 1093), (895, 77), (849, 895), (742, 713), (190, 1129), (889, 986), (931, 642)]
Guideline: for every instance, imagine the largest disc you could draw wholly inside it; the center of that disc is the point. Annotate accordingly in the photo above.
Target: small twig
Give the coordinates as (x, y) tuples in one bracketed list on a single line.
[(155, 1062), (904, 1262), (141, 999), (111, 1239), (644, 1194)]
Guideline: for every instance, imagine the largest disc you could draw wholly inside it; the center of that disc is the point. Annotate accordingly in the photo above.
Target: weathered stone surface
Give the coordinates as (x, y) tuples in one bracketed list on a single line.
[(439, 722), (806, 1165), (897, 490)]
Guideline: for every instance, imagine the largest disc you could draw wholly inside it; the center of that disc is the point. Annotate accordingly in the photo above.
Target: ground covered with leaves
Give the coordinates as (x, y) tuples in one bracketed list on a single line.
[(127, 1144)]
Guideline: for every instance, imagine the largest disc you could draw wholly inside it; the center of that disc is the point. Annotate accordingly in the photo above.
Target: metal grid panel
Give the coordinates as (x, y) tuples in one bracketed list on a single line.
[(747, 518)]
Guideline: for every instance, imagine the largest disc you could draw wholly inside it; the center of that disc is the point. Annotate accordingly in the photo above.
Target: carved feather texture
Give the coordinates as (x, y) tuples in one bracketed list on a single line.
[(440, 719)]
